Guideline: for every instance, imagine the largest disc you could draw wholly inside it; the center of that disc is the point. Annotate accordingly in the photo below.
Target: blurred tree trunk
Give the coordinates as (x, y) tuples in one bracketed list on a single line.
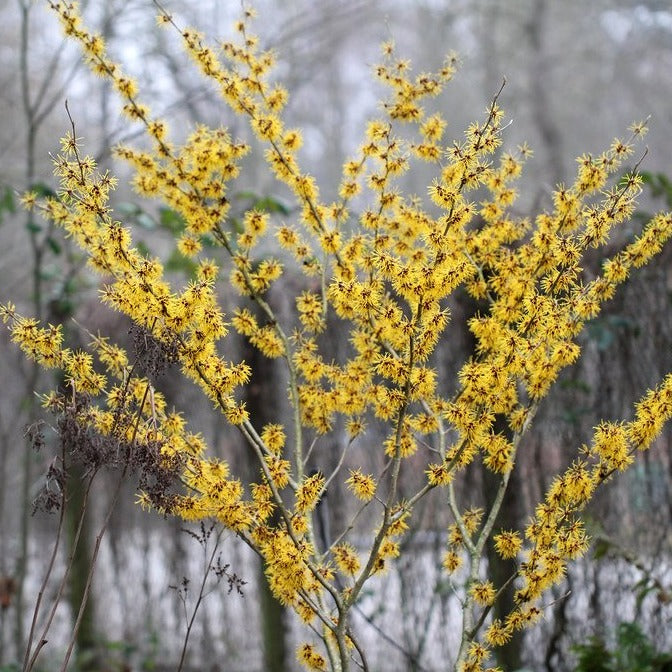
[(511, 516), (76, 507), (509, 656), (30, 112), (78, 512), (38, 98), (541, 88), (261, 400)]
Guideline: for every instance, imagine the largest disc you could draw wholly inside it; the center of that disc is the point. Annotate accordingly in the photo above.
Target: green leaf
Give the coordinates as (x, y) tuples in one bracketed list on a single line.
[(124, 647), (634, 651), (7, 201), (251, 195), (143, 248), (178, 263), (43, 190), (272, 205), (10, 667), (50, 273), (604, 330), (602, 547), (128, 209), (593, 656), (145, 221), (642, 588), (642, 217), (236, 224), (575, 384), (268, 204), (54, 245), (171, 220), (62, 308), (647, 176), (573, 416), (660, 185)]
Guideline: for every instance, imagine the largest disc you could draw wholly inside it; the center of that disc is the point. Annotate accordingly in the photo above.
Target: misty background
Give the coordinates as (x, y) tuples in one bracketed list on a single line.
[(577, 75)]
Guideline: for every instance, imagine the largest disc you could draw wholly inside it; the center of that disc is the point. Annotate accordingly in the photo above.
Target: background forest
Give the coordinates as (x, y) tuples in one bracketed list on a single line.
[(577, 75)]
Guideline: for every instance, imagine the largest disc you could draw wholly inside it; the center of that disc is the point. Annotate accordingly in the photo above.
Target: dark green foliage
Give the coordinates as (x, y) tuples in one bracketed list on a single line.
[(168, 220), (632, 651), (268, 204), (605, 330), (659, 186), (7, 202)]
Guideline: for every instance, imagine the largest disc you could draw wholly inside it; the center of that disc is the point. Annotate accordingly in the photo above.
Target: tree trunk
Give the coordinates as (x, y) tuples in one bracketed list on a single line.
[(87, 639), (261, 399), (509, 656)]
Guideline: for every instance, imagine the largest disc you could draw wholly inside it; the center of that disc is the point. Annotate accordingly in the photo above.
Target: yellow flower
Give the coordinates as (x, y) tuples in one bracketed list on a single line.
[(387, 274), (278, 470), (483, 593), (472, 519), (308, 656), (362, 485), (188, 245), (237, 414), (346, 558), (451, 561), (309, 492), (439, 474), (477, 652), (497, 633), (273, 436), (508, 544)]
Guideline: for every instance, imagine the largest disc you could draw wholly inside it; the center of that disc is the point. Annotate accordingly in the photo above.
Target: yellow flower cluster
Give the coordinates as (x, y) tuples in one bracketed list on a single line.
[(286, 568), (362, 485), (483, 593), (387, 272), (311, 658)]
